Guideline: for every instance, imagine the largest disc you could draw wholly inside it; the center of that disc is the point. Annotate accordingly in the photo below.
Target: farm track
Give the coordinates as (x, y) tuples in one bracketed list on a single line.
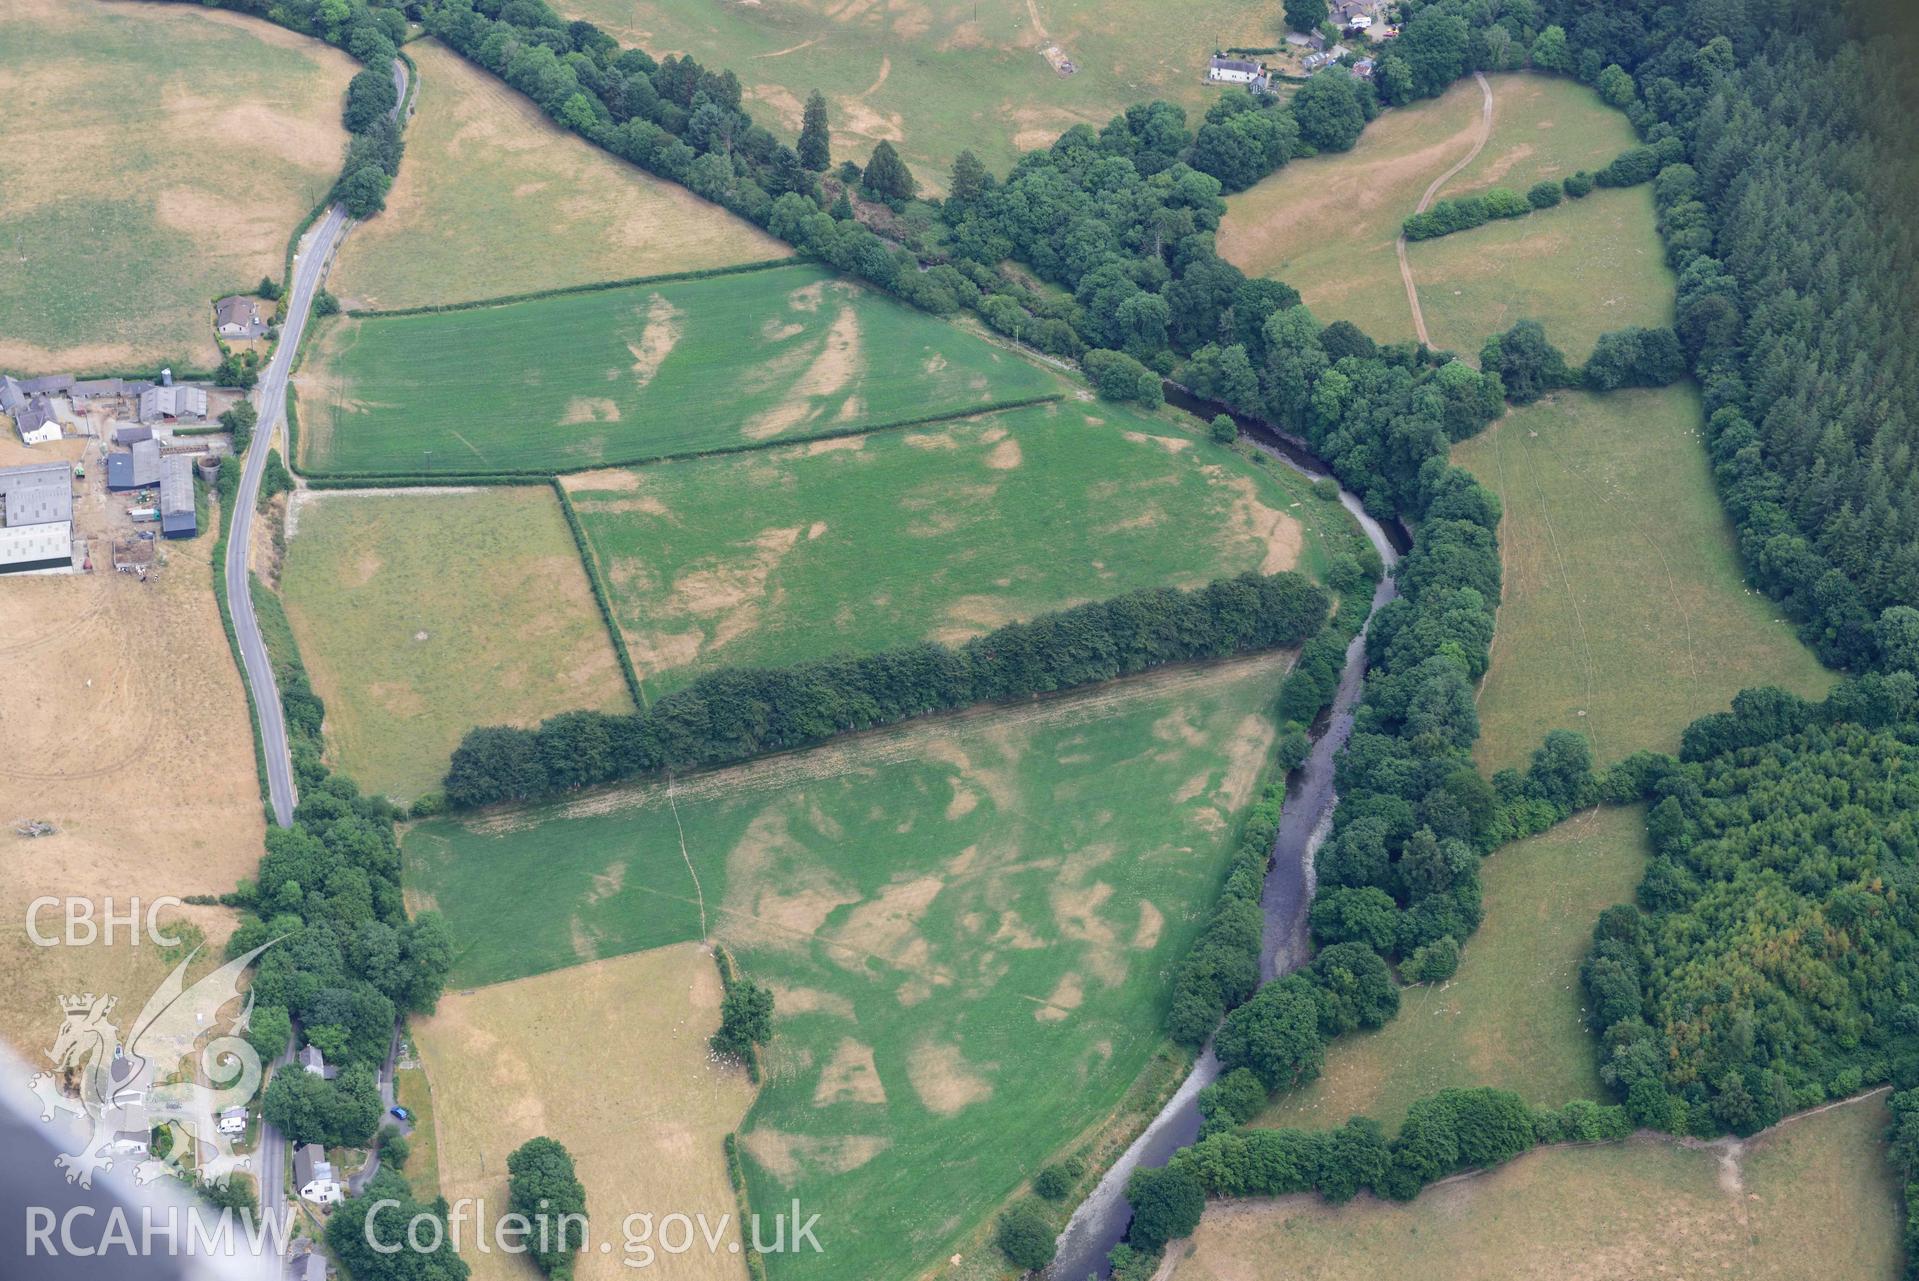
[(1425, 203)]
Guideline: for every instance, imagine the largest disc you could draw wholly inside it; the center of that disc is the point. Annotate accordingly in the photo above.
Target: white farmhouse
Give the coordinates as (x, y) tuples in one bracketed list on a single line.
[(1232, 71), (313, 1175)]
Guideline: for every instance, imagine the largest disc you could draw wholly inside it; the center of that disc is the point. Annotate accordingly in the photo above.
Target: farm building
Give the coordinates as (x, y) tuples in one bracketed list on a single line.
[(132, 435), (51, 385), (238, 317), (97, 388), (177, 518), (37, 501), (135, 468), (11, 395), (1232, 71), (168, 401), (36, 421)]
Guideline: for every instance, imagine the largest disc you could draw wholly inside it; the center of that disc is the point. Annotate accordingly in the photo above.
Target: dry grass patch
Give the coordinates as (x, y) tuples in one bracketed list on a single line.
[(496, 199), (610, 1059), (1809, 1198), (162, 155), (1327, 226), (126, 728), (935, 76), (423, 613)]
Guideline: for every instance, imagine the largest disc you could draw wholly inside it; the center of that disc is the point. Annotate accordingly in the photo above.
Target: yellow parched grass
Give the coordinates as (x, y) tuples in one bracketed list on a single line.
[(610, 1059)]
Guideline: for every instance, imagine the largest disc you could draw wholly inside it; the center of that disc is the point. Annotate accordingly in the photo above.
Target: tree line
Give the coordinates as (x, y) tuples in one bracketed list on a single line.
[(1462, 213), (738, 713)]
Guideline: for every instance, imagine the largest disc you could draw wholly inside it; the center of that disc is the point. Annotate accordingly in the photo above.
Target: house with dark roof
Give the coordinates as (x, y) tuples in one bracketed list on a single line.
[(177, 517), (36, 421), (238, 318)]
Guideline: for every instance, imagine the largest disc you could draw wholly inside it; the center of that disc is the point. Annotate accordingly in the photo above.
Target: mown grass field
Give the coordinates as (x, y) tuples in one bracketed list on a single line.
[(611, 1060), (158, 157), (864, 542), (967, 922), (1327, 225), (1514, 1014), (423, 613), (1580, 269), (621, 375), (1624, 613), (936, 76), (1810, 1198), (495, 199)]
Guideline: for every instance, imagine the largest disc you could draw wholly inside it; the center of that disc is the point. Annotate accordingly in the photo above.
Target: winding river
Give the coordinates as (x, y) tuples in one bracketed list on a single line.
[(1100, 1222)]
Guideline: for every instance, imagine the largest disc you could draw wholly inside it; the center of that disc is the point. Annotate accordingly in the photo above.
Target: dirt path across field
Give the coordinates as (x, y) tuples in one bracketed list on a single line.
[(1425, 202)]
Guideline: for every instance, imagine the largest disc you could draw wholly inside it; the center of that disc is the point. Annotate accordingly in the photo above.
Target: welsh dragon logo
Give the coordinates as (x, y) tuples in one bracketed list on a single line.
[(127, 1091)]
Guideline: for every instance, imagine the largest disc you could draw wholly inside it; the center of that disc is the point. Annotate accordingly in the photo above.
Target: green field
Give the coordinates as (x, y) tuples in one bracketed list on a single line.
[(1624, 614), (1327, 225), (621, 375), (158, 156), (968, 923), (422, 613), (1514, 1015), (865, 542), (936, 76), (496, 199), (1580, 269), (1812, 1197)]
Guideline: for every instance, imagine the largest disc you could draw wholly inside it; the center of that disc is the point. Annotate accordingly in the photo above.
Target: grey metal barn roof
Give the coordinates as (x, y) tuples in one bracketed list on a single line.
[(35, 474), (136, 468), (39, 504), (176, 496)]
